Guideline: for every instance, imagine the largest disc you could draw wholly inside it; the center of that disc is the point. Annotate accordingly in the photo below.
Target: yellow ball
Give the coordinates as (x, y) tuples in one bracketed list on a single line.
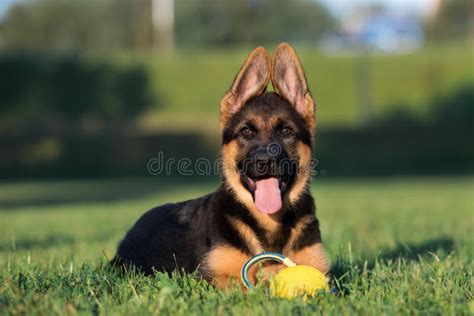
[(296, 281)]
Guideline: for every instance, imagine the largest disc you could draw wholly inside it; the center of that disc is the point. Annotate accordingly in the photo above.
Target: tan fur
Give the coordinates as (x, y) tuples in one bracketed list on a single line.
[(258, 121), (222, 266), (226, 102), (266, 272), (231, 173), (262, 271), (310, 118), (296, 232), (304, 176), (248, 235), (314, 256), (251, 81), (232, 177), (285, 61), (223, 263)]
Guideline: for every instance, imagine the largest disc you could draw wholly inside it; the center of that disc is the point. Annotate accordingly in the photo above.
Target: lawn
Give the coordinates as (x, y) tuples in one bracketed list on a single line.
[(398, 246), (189, 84)]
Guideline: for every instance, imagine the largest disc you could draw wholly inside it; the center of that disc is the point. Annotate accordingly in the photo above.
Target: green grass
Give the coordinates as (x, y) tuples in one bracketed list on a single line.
[(398, 246), (190, 83)]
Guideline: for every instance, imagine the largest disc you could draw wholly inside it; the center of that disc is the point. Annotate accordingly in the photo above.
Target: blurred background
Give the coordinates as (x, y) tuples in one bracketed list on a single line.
[(92, 91), (95, 88)]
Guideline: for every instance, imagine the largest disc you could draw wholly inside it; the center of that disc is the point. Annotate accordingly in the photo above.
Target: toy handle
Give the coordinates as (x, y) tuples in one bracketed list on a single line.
[(264, 256)]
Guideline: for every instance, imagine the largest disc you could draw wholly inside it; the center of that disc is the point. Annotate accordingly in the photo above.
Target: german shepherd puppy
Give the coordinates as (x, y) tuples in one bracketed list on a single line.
[(263, 204)]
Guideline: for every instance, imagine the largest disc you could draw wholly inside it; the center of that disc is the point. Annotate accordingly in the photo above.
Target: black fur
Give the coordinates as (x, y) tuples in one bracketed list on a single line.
[(178, 236), (267, 105)]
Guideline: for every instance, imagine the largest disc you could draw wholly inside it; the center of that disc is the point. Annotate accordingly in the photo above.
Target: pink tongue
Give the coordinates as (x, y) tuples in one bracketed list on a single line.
[(268, 196)]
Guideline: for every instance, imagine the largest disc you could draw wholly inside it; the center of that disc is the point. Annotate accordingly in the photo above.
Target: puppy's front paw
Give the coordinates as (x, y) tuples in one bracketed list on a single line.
[(267, 272)]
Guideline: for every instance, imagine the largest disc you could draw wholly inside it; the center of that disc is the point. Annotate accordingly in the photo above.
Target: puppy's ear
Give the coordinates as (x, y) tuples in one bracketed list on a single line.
[(251, 81), (289, 81)]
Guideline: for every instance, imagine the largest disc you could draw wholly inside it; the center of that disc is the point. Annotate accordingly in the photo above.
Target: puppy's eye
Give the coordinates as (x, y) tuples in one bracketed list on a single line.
[(246, 132), (286, 131)]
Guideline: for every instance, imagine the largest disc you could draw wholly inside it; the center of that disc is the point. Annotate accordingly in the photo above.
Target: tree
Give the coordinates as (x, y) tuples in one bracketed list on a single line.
[(214, 22), (452, 21), (64, 25)]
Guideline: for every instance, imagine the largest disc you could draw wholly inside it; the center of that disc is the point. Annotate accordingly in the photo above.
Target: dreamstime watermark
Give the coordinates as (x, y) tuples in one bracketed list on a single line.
[(160, 165)]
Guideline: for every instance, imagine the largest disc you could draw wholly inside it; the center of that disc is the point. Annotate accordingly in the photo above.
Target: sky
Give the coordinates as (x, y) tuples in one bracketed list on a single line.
[(337, 7), (5, 5), (410, 7)]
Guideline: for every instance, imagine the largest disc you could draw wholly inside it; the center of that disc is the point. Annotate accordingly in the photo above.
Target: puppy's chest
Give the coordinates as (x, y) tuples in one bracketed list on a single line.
[(282, 238)]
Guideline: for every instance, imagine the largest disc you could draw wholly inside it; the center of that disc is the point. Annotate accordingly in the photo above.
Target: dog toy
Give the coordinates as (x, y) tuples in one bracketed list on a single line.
[(293, 281)]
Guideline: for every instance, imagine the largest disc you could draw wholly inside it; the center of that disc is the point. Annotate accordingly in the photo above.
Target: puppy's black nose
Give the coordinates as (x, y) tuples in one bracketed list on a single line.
[(261, 162), (264, 162)]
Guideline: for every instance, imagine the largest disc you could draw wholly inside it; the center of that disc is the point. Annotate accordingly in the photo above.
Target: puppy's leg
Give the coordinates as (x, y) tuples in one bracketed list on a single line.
[(222, 266), (265, 271), (313, 256)]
